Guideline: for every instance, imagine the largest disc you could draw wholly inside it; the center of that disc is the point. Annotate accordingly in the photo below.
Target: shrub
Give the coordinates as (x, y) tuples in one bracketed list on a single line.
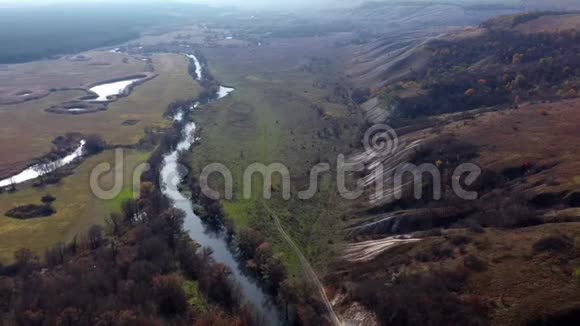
[(170, 297), (248, 242), (471, 225), (459, 240), (25, 256), (48, 199), (31, 211), (511, 216), (141, 271), (576, 274), (7, 290), (437, 252), (434, 233), (441, 251), (488, 180), (474, 263), (420, 300), (95, 236), (360, 95), (94, 144), (553, 243), (476, 229), (55, 256)]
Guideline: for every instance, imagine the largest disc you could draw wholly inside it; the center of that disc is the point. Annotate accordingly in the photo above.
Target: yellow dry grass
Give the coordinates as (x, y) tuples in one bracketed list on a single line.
[(551, 24), (68, 72), (27, 130), (508, 138), (77, 207)]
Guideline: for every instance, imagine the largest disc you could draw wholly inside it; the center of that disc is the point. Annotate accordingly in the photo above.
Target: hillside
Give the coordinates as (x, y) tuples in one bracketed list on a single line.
[(513, 58), (504, 96), (551, 5), (389, 15)]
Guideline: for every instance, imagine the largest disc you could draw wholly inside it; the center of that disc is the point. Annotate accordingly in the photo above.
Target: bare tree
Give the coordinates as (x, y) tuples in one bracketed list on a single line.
[(95, 235), (12, 187), (45, 169)]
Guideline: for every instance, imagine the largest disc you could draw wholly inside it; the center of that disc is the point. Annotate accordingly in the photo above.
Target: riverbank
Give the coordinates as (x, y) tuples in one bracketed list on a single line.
[(77, 207), (277, 115), (144, 107)]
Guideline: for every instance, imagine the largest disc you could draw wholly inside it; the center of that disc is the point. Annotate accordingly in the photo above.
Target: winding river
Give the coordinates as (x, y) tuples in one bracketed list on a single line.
[(36, 171), (198, 67), (170, 179)]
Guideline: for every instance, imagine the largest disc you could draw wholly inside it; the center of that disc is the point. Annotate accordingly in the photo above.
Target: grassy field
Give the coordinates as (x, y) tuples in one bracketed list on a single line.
[(77, 208), (67, 72), (131, 175), (147, 103), (35, 80), (189, 34), (270, 118)]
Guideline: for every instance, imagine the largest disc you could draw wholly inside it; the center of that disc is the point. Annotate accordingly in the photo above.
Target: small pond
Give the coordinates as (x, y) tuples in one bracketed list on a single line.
[(104, 91)]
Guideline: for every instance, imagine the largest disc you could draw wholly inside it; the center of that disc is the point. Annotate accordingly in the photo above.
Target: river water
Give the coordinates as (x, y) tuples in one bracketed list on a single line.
[(198, 67), (222, 252), (170, 178), (103, 91), (36, 171)]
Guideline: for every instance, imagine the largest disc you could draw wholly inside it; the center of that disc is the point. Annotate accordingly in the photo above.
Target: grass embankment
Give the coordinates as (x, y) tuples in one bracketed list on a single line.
[(270, 119), (77, 207)]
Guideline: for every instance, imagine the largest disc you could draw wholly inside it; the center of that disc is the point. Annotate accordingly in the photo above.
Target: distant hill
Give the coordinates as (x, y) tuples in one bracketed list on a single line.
[(551, 5), (524, 44), (389, 15), (503, 95)]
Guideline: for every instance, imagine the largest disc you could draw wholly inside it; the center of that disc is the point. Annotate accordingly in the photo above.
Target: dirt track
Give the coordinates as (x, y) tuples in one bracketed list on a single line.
[(306, 268)]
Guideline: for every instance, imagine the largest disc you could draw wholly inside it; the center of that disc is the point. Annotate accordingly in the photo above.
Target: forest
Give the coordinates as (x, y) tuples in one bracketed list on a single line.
[(143, 268), (502, 67), (76, 28)]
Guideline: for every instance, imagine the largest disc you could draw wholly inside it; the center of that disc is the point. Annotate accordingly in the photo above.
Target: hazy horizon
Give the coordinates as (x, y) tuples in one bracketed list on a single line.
[(253, 4), (237, 3)]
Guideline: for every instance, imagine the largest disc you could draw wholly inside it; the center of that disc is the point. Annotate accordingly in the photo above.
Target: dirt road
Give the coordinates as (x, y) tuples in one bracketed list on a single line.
[(307, 269)]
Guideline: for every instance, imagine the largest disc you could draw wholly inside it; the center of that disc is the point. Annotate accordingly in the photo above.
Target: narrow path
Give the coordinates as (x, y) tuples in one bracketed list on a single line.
[(306, 268)]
